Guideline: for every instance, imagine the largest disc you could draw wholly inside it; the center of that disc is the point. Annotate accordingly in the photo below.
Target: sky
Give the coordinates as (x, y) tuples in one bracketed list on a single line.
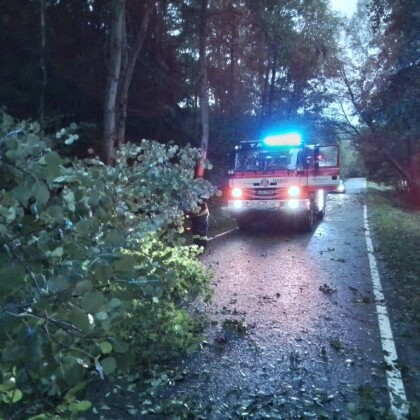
[(348, 7)]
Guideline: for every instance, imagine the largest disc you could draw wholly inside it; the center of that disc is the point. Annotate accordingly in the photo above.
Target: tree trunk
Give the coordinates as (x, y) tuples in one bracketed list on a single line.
[(121, 112), (42, 64), (270, 104), (264, 102), (113, 77), (204, 105), (128, 73)]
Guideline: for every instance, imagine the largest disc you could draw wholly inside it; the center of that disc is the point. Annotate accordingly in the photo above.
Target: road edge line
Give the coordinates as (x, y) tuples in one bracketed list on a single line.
[(397, 396), (222, 234)]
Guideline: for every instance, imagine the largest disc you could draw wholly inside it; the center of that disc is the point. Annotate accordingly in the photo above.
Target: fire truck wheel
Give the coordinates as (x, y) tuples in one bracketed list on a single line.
[(307, 221), (320, 214)]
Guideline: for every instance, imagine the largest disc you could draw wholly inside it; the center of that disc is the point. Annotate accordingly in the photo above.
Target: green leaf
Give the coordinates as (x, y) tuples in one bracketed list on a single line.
[(83, 287), (8, 213), (9, 323), (14, 396), (53, 162), (68, 179), (109, 365), (81, 406), (83, 228), (92, 302), (80, 320), (7, 121), (33, 346), (106, 347), (120, 346), (56, 213), (11, 279), (59, 284), (125, 263), (352, 408), (114, 303), (101, 316), (114, 238), (41, 193), (35, 127), (12, 354), (57, 253), (7, 385), (22, 195), (14, 155), (69, 199), (73, 374), (103, 273)]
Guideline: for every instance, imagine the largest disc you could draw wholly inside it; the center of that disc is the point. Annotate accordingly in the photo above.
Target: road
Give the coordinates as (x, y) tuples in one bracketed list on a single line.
[(294, 325)]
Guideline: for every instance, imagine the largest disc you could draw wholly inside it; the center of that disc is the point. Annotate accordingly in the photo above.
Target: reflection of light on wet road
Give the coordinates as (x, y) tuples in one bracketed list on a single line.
[(300, 297), (273, 283)]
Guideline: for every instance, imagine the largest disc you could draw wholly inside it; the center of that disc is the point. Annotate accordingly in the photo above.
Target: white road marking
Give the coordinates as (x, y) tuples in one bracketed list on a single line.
[(398, 399), (221, 234)]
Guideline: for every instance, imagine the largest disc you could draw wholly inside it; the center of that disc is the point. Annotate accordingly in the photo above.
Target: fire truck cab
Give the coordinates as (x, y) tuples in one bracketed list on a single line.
[(281, 176)]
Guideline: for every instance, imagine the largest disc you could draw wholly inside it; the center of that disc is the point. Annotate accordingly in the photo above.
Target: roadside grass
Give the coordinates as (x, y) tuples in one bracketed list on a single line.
[(397, 228)]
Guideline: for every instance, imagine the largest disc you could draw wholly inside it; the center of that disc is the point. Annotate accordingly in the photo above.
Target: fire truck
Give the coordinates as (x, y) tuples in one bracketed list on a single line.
[(281, 176)]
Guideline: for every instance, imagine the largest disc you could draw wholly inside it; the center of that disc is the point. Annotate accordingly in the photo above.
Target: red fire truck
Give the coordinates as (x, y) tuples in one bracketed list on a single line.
[(282, 176)]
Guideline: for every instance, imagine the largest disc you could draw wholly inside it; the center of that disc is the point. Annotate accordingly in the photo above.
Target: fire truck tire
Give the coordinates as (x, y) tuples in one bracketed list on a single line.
[(320, 214), (307, 222)]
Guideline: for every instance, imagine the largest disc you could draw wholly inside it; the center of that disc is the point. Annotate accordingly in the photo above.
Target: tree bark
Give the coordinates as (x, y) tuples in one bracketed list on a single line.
[(204, 104), (113, 77), (271, 92), (129, 70), (264, 101), (42, 64)]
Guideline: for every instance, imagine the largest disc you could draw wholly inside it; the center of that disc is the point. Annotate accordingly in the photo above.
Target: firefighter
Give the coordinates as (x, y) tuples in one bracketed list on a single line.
[(200, 215), (200, 224)]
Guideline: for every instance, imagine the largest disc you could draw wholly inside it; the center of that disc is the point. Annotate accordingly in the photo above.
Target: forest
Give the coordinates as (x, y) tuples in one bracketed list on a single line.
[(131, 70), (107, 106)]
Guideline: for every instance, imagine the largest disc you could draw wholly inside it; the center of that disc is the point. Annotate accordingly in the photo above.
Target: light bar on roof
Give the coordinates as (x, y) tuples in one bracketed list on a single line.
[(287, 139)]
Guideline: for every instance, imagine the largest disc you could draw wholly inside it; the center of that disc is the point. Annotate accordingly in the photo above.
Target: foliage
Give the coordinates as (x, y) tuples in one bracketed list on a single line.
[(382, 81), (267, 62), (94, 278), (351, 163)]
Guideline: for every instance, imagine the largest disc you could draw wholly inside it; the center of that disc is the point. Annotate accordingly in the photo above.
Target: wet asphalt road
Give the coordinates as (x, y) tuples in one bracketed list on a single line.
[(293, 318)]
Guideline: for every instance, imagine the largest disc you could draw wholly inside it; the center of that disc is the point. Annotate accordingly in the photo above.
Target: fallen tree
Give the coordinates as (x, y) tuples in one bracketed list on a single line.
[(94, 276)]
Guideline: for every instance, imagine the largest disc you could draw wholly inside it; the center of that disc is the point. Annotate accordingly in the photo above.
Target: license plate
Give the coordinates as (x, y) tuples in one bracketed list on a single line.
[(265, 192)]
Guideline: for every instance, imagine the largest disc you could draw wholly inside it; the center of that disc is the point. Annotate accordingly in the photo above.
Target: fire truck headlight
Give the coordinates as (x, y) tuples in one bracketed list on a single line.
[(237, 204), (321, 199), (237, 192), (293, 191), (293, 204)]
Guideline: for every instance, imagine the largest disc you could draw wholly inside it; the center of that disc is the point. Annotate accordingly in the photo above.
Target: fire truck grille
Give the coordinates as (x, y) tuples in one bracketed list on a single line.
[(265, 193)]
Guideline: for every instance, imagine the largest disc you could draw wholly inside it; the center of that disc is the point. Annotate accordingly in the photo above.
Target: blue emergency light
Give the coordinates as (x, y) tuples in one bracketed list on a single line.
[(286, 139)]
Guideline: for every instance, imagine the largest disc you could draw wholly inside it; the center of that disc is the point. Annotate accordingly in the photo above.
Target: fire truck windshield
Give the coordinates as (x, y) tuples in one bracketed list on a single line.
[(264, 160)]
